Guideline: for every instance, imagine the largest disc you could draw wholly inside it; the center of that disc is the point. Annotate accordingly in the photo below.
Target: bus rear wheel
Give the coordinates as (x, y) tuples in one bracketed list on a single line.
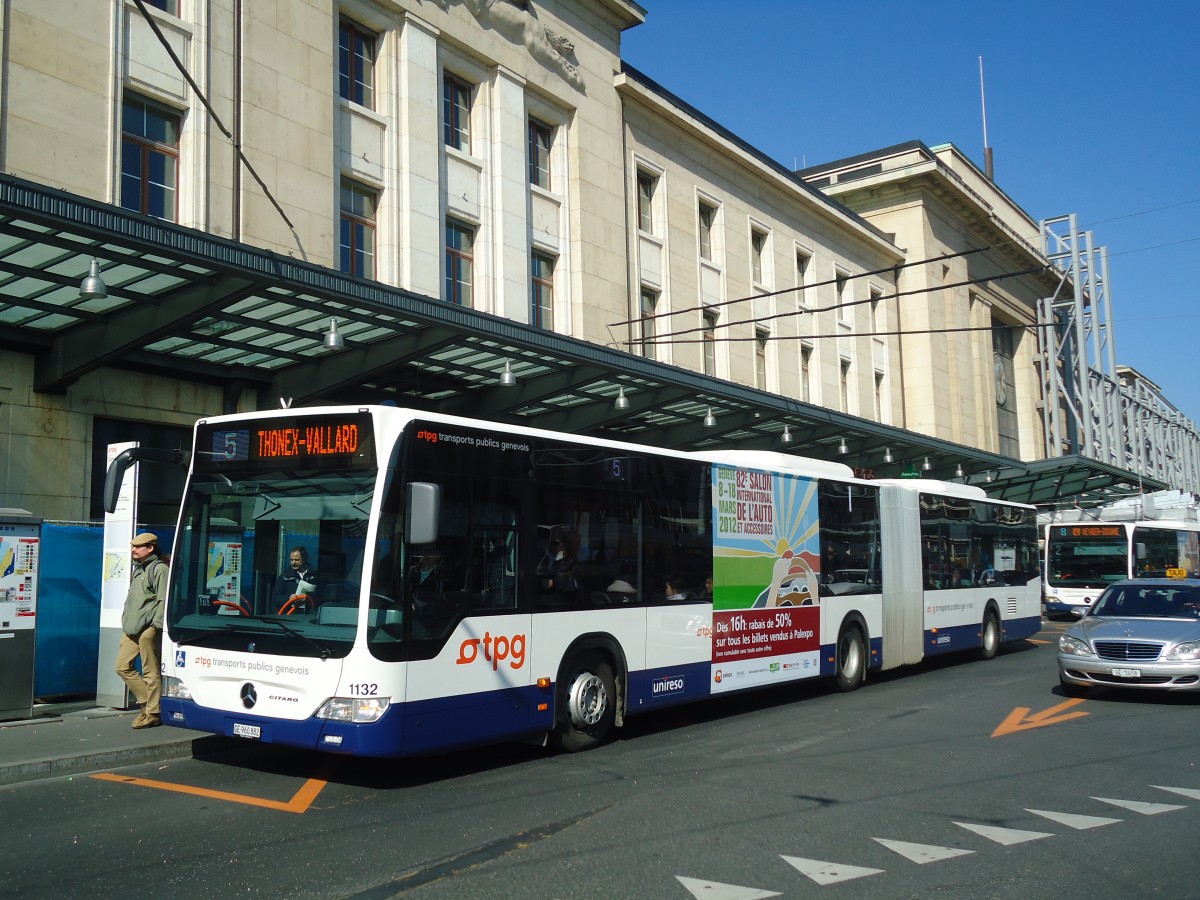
[(586, 704), (990, 642), (851, 659)]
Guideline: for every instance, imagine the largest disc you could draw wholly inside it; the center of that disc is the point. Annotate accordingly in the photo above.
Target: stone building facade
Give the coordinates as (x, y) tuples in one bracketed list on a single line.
[(499, 155)]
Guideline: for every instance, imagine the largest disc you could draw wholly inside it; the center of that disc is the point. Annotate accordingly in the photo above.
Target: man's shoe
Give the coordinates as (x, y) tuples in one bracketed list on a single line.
[(145, 720), (139, 719)]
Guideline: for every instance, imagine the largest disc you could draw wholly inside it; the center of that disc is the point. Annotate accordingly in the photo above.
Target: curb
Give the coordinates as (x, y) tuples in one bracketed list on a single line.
[(57, 767)]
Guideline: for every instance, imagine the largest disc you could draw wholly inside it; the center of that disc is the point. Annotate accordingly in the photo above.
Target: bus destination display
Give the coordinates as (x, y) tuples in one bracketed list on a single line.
[(308, 442)]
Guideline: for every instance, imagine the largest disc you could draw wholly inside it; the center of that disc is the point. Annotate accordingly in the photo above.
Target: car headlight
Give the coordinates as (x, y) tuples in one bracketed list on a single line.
[(1182, 652), (175, 688), (1073, 646), (353, 709)]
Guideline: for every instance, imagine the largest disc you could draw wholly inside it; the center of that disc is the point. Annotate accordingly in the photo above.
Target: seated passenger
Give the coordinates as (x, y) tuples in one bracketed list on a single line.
[(677, 590)]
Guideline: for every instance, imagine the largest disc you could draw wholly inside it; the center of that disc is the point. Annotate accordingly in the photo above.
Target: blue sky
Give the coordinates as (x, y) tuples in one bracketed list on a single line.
[(1093, 108)]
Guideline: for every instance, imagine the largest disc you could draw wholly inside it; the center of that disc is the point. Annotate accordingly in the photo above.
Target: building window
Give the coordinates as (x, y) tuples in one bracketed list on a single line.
[(841, 283), (758, 243), (879, 417), (356, 65), (649, 302), (802, 263), (877, 324), (710, 344), (539, 154), (456, 113), (358, 229), (844, 385), (805, 373), (167, 6), (760, 358), (1004, 349), (460, 262), (149, 158), (646, 184), (542, 284), (707, 217)]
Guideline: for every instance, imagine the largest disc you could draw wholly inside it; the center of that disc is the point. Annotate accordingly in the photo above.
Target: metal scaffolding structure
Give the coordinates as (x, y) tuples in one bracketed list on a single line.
[(1089, 410)]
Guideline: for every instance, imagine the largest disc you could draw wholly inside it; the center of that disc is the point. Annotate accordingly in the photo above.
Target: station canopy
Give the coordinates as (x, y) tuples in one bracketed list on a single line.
[(184, 303)]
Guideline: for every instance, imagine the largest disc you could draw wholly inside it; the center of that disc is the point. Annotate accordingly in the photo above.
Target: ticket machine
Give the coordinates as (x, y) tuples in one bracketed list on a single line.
[(20, 546)]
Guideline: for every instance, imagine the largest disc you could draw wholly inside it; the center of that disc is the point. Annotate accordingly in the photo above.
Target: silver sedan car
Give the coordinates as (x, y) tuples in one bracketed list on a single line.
[(1138, 634)]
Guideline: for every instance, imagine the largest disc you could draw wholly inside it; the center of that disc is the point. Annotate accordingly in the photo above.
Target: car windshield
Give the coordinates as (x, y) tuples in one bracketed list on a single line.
[(1152, 601)]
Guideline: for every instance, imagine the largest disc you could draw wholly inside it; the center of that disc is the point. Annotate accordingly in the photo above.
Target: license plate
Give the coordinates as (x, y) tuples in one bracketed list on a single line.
[(1127, 673), (254, 732)]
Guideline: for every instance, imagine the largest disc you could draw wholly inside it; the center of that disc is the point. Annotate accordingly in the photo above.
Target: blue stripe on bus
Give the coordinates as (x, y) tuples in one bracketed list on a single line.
[(668, 686), (416, 728), (1016, 629)]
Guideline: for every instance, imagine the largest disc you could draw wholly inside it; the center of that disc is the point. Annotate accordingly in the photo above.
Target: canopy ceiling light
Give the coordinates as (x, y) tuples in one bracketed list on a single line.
[(887, 454), (507, 378), (333, 337), (958, 471), (786, 437), (622, 402), (710, 421), (925, 466), (93, 287), (842, 448)]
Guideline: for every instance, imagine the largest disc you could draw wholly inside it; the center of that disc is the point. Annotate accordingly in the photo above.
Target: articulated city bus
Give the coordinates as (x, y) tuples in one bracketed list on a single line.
[(1083, 558), (384, 582)]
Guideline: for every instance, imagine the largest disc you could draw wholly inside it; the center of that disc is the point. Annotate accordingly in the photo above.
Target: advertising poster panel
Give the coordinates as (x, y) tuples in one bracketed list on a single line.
[(766, 572)]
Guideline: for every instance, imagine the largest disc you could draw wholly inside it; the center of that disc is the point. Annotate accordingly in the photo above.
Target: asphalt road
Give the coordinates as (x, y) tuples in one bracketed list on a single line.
[(914, 786)]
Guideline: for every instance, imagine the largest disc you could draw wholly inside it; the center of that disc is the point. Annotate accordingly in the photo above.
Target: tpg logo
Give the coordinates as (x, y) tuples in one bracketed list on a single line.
[(495, 650)]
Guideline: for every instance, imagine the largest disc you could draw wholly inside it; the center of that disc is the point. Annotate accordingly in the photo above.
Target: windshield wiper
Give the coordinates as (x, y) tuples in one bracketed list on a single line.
[(321, 648), (233, 626)]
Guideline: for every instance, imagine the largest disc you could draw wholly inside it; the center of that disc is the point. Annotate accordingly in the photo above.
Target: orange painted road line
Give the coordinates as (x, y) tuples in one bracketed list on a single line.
[(1020, 720), (298, 804)]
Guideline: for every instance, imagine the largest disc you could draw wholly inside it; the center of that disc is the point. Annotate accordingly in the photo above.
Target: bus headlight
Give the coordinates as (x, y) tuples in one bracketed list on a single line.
[(175, 688), (1073, 646), (1182, 652), (353, 709)]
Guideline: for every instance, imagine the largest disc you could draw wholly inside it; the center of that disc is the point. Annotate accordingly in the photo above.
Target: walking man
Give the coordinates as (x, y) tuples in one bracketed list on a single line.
[(142, 622)]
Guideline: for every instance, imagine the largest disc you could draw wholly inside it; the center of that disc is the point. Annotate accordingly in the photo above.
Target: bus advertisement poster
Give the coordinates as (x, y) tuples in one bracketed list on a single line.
[(766, 571)]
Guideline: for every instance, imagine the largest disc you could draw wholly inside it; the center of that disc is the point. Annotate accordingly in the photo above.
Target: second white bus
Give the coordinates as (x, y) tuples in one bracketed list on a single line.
[(1083, 558)]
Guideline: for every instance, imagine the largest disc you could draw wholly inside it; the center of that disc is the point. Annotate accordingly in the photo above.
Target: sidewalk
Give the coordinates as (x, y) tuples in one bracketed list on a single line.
[(75, 738)]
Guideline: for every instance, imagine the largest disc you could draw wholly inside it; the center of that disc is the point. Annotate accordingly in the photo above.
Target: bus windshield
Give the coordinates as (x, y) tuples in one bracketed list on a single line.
[(271, 560), (1087, 561)]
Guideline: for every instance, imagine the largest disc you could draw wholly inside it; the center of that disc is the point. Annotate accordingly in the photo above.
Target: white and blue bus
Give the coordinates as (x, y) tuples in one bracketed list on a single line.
[(1083, 558), (384, 582)]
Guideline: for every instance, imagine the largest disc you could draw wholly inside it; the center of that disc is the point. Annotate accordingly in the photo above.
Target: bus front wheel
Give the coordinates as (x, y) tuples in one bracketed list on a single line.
[(586, 704), (851, 659)]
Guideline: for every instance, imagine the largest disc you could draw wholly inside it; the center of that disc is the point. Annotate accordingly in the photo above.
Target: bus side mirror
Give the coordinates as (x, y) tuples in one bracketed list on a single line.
[(421, 512), (126, 458), (1141, 550)]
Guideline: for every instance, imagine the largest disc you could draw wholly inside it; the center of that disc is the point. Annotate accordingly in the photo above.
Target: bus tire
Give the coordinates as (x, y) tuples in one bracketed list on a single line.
[(851, 659), (585, 706), (990, 635)]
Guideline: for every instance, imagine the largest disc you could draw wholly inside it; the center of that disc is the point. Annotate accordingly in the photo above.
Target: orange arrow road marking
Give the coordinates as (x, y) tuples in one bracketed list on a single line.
[(298, 804), (1020, 720)]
